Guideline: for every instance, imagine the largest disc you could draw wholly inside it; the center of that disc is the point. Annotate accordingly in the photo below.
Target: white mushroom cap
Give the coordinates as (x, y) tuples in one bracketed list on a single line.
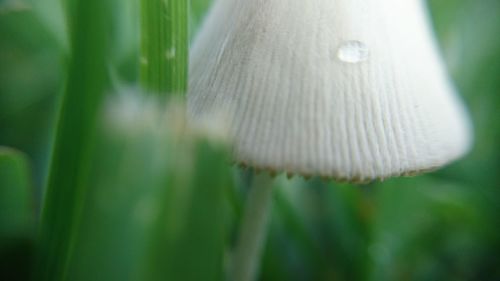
[(346, 89)]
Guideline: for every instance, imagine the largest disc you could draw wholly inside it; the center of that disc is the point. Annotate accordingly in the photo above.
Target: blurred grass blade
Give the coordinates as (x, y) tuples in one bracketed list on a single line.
[(188, 235), (16, 216), (164, 46), (67, 181), (16, 195), (156, 206), (130, 163), (52, 16)]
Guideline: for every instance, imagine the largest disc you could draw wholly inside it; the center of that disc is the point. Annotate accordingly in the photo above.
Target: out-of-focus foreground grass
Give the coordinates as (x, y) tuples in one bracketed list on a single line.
[(161, 203)]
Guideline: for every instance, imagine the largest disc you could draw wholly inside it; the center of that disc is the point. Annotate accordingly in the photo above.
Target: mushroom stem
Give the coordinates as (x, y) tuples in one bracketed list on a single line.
[(253, 229)]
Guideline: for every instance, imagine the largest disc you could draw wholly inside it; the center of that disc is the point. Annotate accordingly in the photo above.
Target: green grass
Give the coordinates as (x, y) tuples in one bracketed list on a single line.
[(164, 46), (67, 183), (16, 195), (17, 216)]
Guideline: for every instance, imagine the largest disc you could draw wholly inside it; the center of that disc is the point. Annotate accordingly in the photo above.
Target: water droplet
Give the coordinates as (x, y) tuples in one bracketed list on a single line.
[(353, 52), (143, 61)]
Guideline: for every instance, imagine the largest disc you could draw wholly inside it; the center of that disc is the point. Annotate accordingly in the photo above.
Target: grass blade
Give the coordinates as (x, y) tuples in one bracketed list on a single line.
[(164, 46), (66, 187), (16, 194), (188, 235), (16, 216)]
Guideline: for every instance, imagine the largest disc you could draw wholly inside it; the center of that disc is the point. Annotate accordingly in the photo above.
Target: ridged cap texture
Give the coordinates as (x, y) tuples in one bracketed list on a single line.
[(345, 89)]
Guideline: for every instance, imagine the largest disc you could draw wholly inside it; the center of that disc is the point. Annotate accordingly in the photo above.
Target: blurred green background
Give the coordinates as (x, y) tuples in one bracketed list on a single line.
[(440, 226)]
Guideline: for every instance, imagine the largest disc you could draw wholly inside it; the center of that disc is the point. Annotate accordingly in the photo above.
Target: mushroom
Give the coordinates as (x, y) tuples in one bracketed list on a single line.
[(347, 89)]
